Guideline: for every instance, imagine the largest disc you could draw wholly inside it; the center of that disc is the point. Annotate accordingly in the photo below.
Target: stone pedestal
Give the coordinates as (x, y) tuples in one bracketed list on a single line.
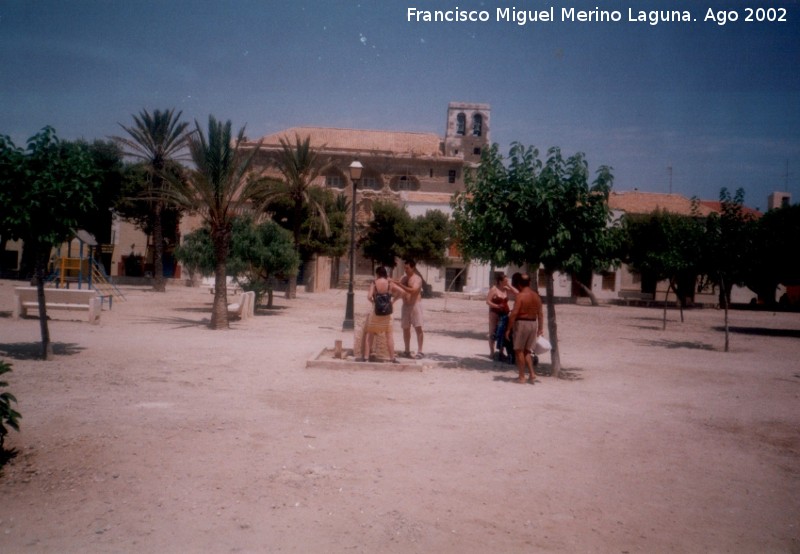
[(379, 347)]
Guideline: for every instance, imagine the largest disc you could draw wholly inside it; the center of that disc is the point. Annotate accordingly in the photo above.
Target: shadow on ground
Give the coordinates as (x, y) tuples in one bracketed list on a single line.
[(480, 363), (461, 334), (673, 344), (33, 350), (175, 322), (763, 332)]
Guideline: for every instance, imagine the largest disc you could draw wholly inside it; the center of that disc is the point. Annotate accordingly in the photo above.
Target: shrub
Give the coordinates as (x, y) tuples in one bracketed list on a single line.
[(8, 416)]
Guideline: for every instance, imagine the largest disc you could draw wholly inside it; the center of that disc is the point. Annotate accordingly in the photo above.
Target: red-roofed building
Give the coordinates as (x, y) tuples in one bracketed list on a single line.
[(420, 171)]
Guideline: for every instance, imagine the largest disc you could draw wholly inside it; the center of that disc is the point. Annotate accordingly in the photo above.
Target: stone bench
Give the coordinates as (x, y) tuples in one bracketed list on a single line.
[(634, 298), (25, 298)]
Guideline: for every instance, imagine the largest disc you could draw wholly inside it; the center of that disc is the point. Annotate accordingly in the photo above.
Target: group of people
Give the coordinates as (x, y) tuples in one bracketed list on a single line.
[(384, 289), (516, 329)]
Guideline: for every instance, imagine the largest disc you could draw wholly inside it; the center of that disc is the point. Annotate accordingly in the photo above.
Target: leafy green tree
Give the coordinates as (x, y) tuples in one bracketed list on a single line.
[(666, 246), (524, 211), (259, 253), (393, 234), (484, 212), (56, 186), (728, 248), (328, 238), (222, 185), (158, 140), (385, 236), (196, 252), (428, 238), (299, 164), (776, 259)]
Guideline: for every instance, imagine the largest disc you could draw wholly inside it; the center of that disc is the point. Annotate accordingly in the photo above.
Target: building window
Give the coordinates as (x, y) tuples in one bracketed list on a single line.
[(404, 182), (609, 280), (461, 124), (334, 180), (476, 151), (430, 173), (451, 176), (477, 125), (371, 182), (541, 279)]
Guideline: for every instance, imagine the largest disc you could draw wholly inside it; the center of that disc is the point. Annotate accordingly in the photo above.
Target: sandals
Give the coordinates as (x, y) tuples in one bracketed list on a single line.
[(419, 356)]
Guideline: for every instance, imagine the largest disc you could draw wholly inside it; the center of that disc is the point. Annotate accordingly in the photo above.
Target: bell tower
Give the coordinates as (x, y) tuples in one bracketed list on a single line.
[(467, 133)]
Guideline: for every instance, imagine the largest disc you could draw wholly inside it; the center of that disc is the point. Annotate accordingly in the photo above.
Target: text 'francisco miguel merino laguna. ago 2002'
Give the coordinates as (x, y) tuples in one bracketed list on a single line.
[(651, 17)]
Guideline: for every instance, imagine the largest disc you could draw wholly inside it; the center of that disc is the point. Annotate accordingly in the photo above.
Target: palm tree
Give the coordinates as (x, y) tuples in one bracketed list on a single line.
[(219, 188), (300, 165), (157, 139)]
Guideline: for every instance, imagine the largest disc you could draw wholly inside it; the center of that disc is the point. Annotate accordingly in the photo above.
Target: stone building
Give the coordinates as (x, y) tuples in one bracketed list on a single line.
[(419, 171)]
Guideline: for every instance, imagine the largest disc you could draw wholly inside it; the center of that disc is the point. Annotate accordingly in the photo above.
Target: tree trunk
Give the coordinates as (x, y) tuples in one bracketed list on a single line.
[(219, 312), (588, 292), (159, 284), (726, 302), (41, 264), (552, 327)]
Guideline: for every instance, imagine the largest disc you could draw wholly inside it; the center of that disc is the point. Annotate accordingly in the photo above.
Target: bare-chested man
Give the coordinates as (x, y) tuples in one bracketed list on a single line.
[(411, 314), (527, 322)]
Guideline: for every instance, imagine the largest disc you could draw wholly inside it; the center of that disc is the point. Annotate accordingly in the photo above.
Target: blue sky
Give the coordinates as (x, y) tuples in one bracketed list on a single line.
[(719, 104)]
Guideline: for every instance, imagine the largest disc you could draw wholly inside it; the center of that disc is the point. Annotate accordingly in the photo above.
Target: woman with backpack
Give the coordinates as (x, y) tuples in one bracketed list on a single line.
[(382, 294)]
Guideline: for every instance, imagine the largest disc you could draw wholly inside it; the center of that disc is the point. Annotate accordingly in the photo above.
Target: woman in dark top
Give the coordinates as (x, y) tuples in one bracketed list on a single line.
[(497, 300)]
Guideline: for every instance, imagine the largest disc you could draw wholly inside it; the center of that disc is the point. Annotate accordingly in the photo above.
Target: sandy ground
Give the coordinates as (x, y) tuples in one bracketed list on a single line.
[(151, 433)]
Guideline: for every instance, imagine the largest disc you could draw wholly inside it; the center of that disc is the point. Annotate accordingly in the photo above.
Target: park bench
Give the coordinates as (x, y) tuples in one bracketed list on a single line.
[(635, 298), (25, 298), (244, 308)]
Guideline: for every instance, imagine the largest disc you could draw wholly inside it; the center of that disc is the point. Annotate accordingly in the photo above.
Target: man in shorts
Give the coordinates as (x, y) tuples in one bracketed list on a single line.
[(527, 321), (411, 314)]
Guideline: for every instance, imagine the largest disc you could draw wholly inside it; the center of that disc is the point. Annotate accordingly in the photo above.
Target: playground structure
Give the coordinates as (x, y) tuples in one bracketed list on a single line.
[(83, 270)]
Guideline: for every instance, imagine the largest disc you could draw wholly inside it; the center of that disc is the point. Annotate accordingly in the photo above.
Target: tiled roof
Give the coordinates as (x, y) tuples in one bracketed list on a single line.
[(636, 202), (350, 140), (716, 206)]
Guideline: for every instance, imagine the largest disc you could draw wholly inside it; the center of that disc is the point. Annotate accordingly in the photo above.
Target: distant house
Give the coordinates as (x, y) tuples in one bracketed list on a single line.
[(627, 283)]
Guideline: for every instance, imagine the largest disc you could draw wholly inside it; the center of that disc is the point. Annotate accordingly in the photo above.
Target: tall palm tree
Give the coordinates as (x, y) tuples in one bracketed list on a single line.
[(300, 165), (158, 140), (219, 187)]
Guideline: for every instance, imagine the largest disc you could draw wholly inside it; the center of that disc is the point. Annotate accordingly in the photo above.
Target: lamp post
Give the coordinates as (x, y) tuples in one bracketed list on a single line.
[(355, 175)]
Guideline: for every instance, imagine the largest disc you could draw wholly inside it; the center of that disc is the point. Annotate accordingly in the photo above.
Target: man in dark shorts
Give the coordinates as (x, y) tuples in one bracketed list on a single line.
[(527, 322)]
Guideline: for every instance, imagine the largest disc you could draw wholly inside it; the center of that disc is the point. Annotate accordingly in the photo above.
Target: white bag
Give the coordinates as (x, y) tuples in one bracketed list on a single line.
[(542, 346)]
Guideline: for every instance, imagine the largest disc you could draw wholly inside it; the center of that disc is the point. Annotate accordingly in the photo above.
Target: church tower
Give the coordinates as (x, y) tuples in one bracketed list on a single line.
[(467, 132)]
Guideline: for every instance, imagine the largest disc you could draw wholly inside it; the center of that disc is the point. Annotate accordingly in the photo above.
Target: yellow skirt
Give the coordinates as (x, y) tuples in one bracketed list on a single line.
[(378, 323)]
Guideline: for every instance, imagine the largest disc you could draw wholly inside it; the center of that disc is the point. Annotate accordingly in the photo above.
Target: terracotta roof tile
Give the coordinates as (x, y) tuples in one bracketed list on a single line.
[(637, 202), (421, 144)]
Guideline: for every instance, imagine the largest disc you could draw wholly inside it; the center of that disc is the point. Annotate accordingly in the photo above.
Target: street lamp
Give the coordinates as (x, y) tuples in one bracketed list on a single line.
[(355, 176)]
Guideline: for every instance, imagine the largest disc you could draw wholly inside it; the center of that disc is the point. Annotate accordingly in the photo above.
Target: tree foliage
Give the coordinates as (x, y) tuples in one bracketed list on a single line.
[(317, 237), (157, 140), (527, 211), (8, 415), (384, 238), (775, 258), (54, 187), (666, 246), (299, 165), (259, 253), (393, 234), (220, 187)]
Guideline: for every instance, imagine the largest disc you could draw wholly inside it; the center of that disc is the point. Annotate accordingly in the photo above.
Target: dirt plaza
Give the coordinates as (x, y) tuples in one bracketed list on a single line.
[(151, 433)]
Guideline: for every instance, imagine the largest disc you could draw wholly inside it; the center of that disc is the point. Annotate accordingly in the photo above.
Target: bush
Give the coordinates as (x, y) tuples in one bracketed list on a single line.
[(8, 416)]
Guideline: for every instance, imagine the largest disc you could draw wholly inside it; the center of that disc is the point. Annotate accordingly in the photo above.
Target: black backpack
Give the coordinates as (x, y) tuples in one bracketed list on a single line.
[(383, 303)]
